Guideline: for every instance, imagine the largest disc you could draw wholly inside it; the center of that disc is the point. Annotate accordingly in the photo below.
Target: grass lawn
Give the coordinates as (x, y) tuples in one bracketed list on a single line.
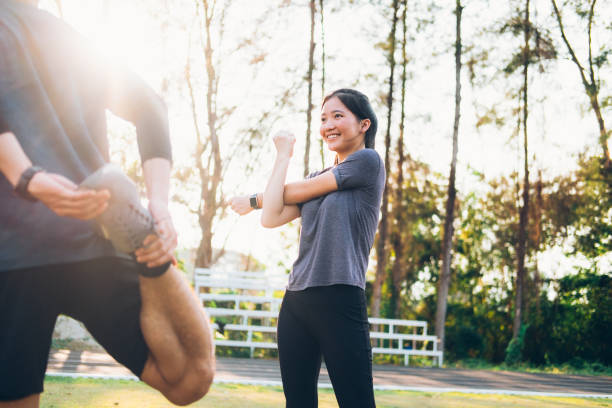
[(64, 392)]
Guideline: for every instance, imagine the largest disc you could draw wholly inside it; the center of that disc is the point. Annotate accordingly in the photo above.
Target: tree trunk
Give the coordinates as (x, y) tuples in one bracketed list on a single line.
[(381, 254), (537, 279), (209, 167), (447, 240), (398, 271), (309, 79), (524, 211), (204, 255), (321, 144), (603, 134)]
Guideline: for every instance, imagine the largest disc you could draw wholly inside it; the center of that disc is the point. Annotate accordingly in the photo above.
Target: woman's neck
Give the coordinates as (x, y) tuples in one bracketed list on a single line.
[(341, 156)]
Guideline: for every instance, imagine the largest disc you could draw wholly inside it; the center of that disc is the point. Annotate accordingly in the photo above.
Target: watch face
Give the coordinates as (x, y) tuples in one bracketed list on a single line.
[(253, 200)]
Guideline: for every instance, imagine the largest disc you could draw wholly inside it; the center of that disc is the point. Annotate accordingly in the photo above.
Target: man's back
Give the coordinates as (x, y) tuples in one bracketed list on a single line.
[(53, 96)]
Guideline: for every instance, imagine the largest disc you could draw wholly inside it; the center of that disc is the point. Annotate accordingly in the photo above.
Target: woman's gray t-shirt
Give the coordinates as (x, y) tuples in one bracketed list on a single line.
[(338, 228)]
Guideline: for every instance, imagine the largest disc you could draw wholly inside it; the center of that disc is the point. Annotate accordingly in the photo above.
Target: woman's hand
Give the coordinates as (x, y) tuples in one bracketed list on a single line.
[(284, 141), (241, 204)]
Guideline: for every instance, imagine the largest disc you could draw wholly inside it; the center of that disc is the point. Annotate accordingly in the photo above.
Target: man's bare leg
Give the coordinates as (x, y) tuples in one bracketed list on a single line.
[(28, 402), (181, 360)]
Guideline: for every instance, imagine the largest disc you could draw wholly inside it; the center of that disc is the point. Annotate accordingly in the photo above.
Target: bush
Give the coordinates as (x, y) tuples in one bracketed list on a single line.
[(464, 342), (514, 351)]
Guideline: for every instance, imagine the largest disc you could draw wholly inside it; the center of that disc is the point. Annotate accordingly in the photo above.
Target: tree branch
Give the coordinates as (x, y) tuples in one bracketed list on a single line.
[(591, 71), (569, 47)]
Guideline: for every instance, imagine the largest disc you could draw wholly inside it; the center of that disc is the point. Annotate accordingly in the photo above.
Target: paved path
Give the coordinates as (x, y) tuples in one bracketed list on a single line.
[(266, 372)]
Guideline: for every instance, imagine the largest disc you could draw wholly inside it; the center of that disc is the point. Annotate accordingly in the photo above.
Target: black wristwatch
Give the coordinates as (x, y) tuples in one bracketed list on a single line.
[(253, 200), (21, 189)]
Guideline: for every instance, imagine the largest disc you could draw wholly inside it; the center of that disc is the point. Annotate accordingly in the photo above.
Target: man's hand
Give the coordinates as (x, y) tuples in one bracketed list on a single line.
[(159, 249), (241, 204), (64, 198)]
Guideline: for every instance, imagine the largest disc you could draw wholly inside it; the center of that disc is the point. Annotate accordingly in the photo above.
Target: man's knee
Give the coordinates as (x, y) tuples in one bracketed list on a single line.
[(31, 401), (193, 386)]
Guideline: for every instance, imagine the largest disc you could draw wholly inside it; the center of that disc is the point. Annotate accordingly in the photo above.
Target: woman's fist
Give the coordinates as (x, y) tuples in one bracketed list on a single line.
[(241, 204), (284, 141)]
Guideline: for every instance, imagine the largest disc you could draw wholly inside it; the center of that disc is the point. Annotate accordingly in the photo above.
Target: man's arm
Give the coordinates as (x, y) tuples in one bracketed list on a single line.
[(55, 191), (129, 97), (158, 249), (13, 160)]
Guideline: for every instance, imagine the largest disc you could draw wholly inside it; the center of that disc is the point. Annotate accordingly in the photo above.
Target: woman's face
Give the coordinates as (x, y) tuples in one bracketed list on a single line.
[(340, 128)]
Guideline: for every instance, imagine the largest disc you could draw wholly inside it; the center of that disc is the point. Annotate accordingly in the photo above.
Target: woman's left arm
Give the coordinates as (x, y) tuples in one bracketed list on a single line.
[(275, 212)]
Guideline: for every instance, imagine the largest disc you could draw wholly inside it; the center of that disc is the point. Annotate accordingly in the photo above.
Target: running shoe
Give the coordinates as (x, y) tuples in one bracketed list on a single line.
[(126, 223)]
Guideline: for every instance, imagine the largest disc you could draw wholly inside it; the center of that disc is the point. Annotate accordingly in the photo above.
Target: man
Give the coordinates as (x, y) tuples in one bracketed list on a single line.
[(53, 95)]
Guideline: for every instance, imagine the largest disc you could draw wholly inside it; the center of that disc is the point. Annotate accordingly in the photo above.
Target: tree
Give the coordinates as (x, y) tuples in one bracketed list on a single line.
[(309, 81), (207, 152), (542, 49), (396, 237), (592, 83), (321, 144), (215, 153), (524, 211), (445, 273), (383, 226)]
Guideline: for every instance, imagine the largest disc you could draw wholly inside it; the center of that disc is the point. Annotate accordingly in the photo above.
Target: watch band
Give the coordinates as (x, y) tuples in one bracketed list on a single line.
[(253, 201), (21, 189)]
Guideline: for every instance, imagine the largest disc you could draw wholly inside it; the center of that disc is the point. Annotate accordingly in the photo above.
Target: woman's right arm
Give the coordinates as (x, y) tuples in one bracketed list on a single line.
[(293, 193), (279, 205)]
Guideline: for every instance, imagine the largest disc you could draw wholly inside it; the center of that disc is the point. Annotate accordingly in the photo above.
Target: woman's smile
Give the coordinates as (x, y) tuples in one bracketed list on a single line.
[(340, 128)]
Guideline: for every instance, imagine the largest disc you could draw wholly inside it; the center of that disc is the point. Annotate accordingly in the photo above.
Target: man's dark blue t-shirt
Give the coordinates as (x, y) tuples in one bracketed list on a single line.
[(54, 92)]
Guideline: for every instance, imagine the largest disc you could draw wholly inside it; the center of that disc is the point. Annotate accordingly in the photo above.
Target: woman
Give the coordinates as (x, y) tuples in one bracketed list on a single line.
[(324, 311)]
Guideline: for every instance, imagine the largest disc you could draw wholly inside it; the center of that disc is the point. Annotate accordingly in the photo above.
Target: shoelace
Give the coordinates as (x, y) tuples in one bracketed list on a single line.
[(129, 222)]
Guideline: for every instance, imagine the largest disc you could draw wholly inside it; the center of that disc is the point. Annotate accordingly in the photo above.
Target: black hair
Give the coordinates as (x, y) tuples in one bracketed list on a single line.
[(359, 105)]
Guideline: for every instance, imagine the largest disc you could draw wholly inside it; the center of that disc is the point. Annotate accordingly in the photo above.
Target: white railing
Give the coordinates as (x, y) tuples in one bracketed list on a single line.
[(252, 306), (406, 344)]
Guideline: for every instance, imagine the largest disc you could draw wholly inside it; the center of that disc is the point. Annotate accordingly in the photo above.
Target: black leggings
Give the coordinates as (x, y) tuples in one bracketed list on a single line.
[(329, 322)]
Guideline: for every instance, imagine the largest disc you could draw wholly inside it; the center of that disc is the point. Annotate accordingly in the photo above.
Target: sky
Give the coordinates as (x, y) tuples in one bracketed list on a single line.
[(131, 34)]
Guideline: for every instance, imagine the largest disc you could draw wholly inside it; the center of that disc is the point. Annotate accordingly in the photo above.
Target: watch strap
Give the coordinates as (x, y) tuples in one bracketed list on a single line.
[(21, 189)]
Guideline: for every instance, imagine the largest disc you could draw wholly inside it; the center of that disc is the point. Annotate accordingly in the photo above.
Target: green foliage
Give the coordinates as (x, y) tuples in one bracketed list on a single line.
[(464, 341), (515, 348), (419, 228), (586, 368), (540, 47), (602, 59), (582, 206), (565, 318), (574, 327)]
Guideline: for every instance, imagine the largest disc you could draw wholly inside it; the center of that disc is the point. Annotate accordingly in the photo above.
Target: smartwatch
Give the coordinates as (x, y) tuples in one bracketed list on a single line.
[(253, 201)]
